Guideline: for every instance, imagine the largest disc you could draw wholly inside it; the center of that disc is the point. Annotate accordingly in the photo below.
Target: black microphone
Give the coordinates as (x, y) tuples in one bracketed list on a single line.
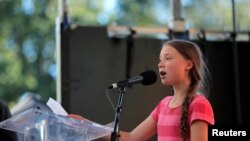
[(146, 78)]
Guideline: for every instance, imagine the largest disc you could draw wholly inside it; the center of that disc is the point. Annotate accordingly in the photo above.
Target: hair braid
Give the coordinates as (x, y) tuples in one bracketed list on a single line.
[(184, 117), (185, 107)]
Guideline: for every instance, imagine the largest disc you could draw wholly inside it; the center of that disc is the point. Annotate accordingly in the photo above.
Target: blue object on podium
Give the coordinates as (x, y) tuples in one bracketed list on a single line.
[(38, 125)]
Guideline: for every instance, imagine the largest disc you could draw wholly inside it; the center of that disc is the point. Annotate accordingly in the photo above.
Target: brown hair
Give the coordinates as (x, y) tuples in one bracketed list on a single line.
[(190, 51)]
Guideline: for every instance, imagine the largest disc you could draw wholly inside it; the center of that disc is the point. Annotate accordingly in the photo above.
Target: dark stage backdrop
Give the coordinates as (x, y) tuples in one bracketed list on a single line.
[(91, 61)]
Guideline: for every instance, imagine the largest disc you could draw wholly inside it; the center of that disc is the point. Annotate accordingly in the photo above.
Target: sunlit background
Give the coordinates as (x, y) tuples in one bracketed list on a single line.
[(27, 33)]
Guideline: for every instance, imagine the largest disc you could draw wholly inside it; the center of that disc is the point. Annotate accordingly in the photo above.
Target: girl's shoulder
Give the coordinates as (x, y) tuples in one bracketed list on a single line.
[(201, 101), (201, 109), (199, 98), (166, 99)]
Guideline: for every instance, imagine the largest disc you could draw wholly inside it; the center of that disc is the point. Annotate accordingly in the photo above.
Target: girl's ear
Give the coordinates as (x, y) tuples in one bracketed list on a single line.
[(189, 65)]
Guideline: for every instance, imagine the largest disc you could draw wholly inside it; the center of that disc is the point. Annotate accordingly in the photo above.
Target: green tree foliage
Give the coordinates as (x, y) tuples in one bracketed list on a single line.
[(217, 14), (209, 14), (84, 12), (198, 14), (124, 12), (27, 48), (136, 12)]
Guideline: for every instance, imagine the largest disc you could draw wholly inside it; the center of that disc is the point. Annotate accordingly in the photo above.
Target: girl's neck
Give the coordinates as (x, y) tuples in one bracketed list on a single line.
[(179, 96), (177, 100)]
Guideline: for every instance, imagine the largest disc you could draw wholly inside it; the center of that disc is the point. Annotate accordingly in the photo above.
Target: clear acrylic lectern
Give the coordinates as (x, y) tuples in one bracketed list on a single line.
[(38, 125)]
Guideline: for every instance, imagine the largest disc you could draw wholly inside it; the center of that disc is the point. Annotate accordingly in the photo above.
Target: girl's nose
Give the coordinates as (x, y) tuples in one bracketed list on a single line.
[(160, 64)]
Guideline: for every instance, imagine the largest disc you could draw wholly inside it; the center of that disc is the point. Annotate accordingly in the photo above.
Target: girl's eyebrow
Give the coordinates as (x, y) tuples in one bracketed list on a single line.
[(166, 54)]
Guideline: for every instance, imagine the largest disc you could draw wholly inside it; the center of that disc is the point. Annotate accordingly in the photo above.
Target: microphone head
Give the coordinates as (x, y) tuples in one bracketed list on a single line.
[(149, 77)]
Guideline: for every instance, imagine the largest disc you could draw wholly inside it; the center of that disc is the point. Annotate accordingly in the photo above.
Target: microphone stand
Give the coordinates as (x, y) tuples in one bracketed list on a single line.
[(115, 133)]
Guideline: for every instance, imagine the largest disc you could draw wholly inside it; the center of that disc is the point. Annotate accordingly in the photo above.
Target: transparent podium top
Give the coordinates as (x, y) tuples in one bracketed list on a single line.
[(48, 126)]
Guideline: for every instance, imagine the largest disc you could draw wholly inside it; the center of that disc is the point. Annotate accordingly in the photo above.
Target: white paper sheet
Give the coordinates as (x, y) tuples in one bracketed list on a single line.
[(56, 107)]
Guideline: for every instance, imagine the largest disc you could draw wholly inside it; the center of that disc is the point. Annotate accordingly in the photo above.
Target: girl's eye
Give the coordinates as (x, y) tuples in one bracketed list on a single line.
[(168, 58)]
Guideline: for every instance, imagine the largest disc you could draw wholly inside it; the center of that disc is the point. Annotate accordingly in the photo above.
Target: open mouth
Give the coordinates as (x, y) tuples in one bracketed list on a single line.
[(162, 73)]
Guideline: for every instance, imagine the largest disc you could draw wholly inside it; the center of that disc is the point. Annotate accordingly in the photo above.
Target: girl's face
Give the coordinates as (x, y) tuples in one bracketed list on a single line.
[(173, 67)]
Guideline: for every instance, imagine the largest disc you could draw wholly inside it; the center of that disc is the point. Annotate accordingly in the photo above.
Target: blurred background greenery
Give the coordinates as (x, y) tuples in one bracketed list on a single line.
[(27, 33)]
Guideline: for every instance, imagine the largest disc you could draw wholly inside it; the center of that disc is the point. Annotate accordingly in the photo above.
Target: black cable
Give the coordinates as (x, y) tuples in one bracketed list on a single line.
[(236, 68), (129, 51)]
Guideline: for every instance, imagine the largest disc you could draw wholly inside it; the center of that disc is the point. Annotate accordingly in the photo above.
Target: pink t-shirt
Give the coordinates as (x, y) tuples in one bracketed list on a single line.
[(168, 119)]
